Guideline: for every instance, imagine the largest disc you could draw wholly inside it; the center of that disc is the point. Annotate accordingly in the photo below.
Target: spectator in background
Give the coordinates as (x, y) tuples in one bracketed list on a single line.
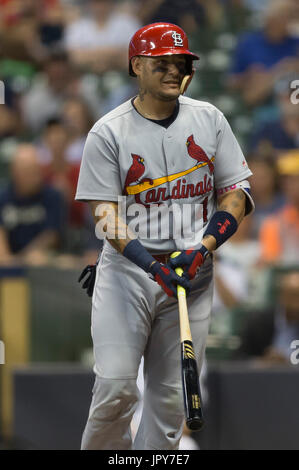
[(10, 130), (45, 98), (18, 29), (268, 334), (189, 14), (257, 6), (9, 122), (279, 234), (31, 214), (58, 171), (50, 90), (281, 134), (99, 42), (51, 25), (53, 143), (265, 190), (262, 57), (78, 120), (236, 262), (30, 27), (239, 284)]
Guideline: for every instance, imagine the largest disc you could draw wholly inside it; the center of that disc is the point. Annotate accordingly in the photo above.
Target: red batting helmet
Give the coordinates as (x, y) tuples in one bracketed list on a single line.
[(159, 39)]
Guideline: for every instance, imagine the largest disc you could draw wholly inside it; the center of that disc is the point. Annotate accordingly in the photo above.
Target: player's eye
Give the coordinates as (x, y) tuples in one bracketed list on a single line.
[(181, 66)]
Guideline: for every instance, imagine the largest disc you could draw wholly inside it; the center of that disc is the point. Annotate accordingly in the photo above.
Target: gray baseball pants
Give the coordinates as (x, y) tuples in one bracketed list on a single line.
[(133, 317)]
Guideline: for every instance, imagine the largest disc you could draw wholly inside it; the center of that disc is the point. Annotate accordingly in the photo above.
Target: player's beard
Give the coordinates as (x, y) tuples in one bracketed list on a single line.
[(161, 95), (166, 97)]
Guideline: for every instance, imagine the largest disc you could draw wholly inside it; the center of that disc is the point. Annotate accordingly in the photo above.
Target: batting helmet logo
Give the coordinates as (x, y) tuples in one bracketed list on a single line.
[(177, 39)]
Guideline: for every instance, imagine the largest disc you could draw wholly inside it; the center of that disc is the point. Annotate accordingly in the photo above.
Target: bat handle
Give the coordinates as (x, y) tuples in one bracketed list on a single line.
[(180, 290), (182, 299), (179, 272)]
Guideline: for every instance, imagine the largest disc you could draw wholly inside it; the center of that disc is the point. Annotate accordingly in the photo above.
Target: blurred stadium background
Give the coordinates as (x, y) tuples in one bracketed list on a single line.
[(63, 64)]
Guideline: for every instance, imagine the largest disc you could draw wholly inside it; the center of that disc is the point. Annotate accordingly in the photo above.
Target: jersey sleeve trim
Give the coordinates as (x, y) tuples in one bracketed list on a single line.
[(244, 185), (235, 179)]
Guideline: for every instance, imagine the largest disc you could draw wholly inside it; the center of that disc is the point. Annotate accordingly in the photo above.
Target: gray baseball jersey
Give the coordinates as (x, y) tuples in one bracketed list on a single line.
[(178, 167)]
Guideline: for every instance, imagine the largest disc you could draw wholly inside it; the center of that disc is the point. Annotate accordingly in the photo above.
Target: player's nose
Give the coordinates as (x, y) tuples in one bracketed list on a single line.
[(173, 69)]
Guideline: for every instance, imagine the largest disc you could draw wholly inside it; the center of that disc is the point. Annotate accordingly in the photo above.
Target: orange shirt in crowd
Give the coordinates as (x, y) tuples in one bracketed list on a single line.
[(279, 236)]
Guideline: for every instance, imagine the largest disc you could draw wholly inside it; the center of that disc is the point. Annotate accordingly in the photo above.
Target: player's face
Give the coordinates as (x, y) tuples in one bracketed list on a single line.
[(162, 76)]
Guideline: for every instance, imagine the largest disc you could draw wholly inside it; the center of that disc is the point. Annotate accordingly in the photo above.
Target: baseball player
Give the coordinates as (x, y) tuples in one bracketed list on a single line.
[(158, 150)]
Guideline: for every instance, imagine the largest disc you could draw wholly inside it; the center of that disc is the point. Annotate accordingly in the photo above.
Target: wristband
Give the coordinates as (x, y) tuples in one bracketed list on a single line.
[(136, 253), (221, 226)]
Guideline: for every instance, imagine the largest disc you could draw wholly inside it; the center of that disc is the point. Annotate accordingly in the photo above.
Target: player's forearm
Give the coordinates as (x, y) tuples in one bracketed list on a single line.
[(117, 231), (209, 242), (232, 203), (111, 226)]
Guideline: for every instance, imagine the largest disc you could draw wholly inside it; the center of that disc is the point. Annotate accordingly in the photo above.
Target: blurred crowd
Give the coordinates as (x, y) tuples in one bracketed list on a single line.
[(64, 65)]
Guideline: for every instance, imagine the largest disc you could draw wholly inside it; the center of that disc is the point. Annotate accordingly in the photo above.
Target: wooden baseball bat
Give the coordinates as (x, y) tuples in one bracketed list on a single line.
[(190, 376)]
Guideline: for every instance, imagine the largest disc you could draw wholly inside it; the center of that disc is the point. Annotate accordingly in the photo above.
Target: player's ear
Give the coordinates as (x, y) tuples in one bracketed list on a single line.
[(137, 64)]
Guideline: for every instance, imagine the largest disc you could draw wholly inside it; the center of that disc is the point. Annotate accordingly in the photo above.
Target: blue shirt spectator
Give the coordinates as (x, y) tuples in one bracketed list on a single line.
[(264, 57), (24, 218), (256, 49), (274, 134), (31, 213), (280, 134)]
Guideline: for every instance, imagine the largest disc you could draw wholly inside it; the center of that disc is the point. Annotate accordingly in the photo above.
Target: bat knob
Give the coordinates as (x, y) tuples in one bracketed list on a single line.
[(195, 424)]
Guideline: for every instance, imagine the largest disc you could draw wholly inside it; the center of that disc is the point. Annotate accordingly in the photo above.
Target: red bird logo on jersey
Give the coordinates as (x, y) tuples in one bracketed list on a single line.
[(196, 152), (135, 172)]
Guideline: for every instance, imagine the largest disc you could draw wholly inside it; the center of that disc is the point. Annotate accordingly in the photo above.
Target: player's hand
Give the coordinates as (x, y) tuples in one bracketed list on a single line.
[(190, 261), (168, 279)]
